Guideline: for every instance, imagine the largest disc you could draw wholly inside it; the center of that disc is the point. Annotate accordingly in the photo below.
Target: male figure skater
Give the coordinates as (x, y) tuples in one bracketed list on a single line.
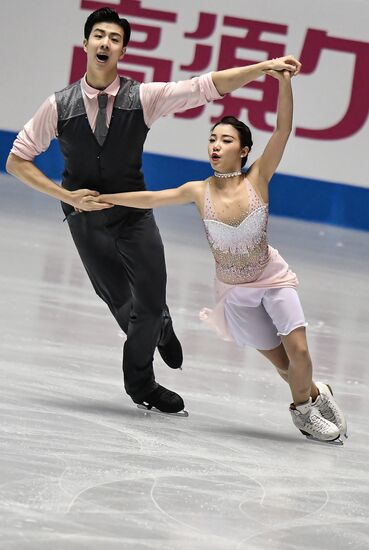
[(101, 123)]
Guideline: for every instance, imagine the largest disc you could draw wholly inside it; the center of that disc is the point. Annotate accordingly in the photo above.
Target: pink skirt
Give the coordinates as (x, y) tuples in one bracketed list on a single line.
[(255, 314)]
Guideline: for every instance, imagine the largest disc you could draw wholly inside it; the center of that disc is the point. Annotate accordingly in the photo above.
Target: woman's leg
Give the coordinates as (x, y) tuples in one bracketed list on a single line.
[(280, 317), (300, 368), (279, 358), (260, 326), (293, 363), (284, 308)]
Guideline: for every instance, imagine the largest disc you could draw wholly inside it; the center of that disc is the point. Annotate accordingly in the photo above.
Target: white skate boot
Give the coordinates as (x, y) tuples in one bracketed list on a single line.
[(328, 408), (311, 423)]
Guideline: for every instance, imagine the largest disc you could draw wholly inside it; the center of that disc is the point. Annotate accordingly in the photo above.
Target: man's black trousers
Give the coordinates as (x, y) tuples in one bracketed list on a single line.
[(123, 254)]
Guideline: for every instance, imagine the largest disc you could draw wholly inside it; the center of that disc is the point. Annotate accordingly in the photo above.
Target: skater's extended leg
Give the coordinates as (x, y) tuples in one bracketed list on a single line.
[(293, 362), (321, 394), (306, 417)]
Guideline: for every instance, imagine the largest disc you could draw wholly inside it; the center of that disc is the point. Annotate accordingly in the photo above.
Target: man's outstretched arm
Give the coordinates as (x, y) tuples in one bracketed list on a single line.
[(163, 98), (228, 80)]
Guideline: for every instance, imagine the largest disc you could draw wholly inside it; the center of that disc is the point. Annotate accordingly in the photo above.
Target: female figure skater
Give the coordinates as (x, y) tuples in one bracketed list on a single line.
[(257, 301)]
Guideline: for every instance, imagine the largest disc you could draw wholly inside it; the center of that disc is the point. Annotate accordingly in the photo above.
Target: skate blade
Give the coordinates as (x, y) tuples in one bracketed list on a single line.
[(336, 442), (181, 414)]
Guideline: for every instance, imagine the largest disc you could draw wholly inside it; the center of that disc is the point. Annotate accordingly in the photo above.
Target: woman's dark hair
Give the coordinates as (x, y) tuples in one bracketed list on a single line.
[(107, 15), (244, 133)]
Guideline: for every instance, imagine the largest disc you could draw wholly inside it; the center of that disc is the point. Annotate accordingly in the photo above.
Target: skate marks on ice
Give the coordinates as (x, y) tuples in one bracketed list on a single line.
[(119, 473), (81, 466)]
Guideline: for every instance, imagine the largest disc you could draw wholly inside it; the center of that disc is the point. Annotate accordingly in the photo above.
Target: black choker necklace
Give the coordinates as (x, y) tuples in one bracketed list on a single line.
[(228, 174)]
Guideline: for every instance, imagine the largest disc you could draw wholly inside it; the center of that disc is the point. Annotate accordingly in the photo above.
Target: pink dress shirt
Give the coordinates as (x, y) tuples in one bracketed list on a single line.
[(157, 98)]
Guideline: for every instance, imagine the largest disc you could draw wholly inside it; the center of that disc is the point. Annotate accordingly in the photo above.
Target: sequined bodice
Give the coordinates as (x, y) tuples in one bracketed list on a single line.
[(240, 250)]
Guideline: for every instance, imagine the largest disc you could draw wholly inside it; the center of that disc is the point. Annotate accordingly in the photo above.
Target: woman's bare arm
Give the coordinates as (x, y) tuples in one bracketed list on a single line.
[(186, 193), (264, 167)]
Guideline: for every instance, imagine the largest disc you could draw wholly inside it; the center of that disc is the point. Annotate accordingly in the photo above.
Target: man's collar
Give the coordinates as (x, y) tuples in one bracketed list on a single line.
[(91, 92)]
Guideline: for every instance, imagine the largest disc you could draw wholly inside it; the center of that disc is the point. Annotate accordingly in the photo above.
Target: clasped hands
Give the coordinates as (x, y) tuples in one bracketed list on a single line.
[(283, 67), (86, 200)]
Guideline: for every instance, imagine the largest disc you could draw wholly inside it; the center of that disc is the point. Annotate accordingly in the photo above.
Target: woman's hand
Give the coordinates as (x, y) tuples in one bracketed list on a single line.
[(280, 75), (86, 200), (287, 63)]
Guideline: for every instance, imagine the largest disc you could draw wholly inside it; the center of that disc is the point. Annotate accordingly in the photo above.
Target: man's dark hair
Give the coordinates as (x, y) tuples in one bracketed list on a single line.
[(107, 15), (244, 132)]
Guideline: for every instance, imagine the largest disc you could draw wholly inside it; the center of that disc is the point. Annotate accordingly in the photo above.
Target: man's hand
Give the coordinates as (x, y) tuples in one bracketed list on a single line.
[(287, 63), (86, 200)]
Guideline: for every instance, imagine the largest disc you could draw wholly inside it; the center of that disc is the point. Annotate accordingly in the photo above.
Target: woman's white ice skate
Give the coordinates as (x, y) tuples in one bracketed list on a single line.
[(313, 425), (328, 408)]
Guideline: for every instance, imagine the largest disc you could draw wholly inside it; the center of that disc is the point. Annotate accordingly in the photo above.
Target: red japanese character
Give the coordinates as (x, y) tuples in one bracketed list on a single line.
[(160, 69), (78, 67), (358, 109), (131, 8), (236, 102), (191, 113), (202, 55)]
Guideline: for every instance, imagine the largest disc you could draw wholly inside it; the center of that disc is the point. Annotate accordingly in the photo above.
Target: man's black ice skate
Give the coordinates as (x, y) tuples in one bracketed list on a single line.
[(169, 346), (162, 400)]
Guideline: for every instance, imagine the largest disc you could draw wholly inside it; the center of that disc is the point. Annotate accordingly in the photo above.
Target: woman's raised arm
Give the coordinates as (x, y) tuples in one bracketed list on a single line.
[(265, 166)]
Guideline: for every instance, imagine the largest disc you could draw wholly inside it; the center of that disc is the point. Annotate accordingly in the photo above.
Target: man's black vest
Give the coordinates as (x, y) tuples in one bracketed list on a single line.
[(116, 165)]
